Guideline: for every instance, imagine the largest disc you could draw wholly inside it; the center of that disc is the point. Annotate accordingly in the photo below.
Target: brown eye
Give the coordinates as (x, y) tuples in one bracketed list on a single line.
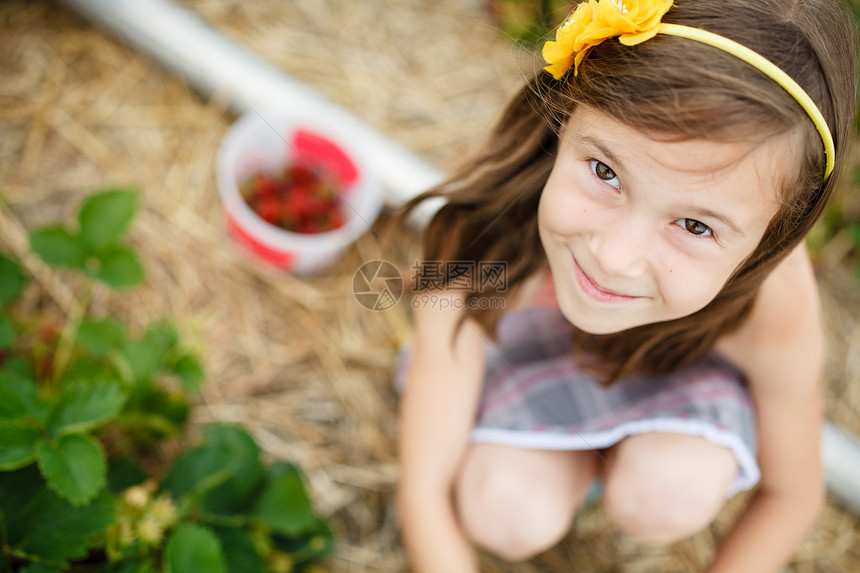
[(605, 173), (696, 227)]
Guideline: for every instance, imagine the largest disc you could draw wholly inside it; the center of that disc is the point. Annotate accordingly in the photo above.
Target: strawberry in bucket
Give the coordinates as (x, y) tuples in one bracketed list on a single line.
[(299, 200)]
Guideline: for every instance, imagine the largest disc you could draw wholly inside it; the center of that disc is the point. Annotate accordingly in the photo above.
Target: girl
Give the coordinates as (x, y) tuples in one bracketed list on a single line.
[(648, 195)]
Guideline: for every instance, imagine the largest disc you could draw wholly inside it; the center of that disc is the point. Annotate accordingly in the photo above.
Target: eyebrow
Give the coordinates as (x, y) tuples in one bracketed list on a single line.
[(599, 146), (703, 212)]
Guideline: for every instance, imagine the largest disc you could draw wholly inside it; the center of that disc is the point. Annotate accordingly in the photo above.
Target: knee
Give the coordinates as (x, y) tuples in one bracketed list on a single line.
[(655, 505), (509, 516)]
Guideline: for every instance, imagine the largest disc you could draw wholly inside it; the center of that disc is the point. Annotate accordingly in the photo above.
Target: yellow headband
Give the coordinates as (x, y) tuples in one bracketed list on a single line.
[(635, 21)]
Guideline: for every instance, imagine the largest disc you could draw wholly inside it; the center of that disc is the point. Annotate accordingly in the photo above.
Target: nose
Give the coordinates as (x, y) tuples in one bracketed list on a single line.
[(622, 249)]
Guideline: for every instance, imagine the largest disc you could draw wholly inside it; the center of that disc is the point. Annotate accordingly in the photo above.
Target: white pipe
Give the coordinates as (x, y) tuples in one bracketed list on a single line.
[(212, 63)]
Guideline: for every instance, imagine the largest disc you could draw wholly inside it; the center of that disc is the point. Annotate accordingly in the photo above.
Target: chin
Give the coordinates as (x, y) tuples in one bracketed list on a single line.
[(595, 325)]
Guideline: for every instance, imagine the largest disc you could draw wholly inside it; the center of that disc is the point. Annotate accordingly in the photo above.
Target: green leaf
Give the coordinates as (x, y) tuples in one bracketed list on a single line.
[(144, 358), (39, 568), (284, 504), (119, 267), (58, 247), (75, 467), (85, 406), (162, 335), (193, 548), (124, 473), (87, 370), (17, 446), (223, 472), (105, 216), (189, 372), (17, 367), (7, 332), (12, 280), (148, 354), (37, 523), (315, 543), (198, 471), (18, 397), (239, 550), (129, 566), (233, 496), (101, 337)]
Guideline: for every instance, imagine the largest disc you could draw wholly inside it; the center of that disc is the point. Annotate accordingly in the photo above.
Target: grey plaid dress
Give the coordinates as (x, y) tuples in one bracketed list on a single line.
[(536, 397)]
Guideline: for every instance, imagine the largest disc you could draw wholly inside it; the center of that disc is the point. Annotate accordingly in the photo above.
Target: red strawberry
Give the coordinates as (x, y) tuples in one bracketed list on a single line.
[(268, 210), (299, 200)]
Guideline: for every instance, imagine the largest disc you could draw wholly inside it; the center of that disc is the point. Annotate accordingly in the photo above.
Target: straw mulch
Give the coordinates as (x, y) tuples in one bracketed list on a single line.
[(298, 361)]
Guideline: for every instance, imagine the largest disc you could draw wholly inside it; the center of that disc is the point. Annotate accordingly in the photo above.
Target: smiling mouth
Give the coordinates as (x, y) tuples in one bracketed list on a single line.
[(596, 291)]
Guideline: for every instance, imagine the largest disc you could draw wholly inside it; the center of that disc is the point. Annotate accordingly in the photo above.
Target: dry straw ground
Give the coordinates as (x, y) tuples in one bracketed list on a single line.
[(297, 360)]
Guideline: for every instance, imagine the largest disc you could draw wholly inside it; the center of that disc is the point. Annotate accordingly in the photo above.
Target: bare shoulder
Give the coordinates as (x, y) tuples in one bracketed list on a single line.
[(437, 313), (438, 329), (783, 333)]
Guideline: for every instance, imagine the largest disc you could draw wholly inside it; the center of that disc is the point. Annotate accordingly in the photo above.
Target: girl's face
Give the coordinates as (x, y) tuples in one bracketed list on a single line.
[(638, 230)]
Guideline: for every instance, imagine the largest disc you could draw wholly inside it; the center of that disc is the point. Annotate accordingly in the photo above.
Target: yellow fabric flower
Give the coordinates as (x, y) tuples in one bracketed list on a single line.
[(633, 21)]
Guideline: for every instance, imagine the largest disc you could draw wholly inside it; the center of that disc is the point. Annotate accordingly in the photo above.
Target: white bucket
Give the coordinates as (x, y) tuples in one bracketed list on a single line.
[(268, 142)]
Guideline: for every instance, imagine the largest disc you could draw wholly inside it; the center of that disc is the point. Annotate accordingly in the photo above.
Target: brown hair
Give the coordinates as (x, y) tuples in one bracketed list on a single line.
[(679, 89)]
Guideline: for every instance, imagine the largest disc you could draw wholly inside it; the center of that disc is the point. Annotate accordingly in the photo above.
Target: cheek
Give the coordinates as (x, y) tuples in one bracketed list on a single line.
[(561, 210), (689, 287)]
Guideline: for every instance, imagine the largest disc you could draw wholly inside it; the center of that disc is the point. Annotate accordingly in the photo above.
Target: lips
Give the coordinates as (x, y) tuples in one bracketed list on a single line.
[(595, 291)]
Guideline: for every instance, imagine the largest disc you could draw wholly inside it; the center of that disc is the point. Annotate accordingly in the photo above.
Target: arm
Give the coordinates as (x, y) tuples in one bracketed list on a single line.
[(781, 351), (436, 414)]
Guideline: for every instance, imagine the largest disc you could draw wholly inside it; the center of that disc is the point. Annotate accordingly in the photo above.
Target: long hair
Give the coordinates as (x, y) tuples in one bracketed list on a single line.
[(672, 88)]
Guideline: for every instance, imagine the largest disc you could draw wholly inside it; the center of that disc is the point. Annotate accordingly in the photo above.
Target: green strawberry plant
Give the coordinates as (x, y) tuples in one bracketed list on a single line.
[(238, 514), (95, 246), (81, 405)]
